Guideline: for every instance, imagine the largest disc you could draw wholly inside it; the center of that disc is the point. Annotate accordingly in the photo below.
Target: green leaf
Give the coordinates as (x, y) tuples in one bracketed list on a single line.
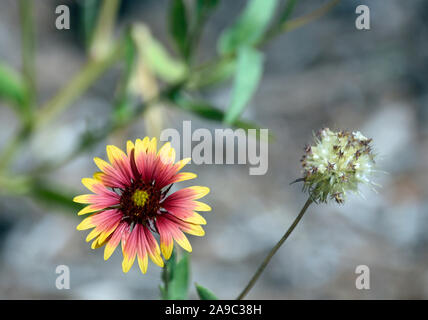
[(288, 10), (204, 6), (12, 88), (176, 278), (207, 111), (249, 27), (178, 26), (179, 285), (204, 293), (163, 292), (248, 73), (122, 106), (201, 10), (89, 11), (54, 195), (156, 56), (213, 74)]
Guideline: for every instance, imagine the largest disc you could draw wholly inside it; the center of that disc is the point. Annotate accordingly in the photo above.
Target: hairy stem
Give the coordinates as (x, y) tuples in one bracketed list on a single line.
[(266, 261)]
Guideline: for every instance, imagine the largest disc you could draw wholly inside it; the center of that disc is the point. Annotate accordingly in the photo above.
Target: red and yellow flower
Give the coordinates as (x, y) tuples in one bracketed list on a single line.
[(130, 203)]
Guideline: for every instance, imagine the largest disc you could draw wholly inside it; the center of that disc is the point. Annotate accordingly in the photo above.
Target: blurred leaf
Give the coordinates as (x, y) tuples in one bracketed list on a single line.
[(212, 75), (179, 285), (305, 19), (249, 27), (202, 109), (248, 73), (101, 40), (162, 292), (12, 89), (288, 10), (209, 112), (16, 185), (54, 195), (89, 10), (129, 55), (157, 58), (178, 26), (122, 112), (122, 109), (176, 278), (204, 293), (203, 5), (200, 13), (167, 275)]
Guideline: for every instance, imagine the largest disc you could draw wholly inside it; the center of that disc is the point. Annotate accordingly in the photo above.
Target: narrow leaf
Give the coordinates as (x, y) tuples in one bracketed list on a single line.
[(12, 88), (207, 111), (203, 5), (122, 106), (248, 73), (178, 26), (179, 286), (201, 10), (88, 13), (249, 27), (167, 275), (156, 56), (54, 195), (213, 74), (175, 277), (204, 293), (288, 10)]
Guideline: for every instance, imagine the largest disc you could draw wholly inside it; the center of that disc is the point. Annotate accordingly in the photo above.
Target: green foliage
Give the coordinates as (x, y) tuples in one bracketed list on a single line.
[(238, 57), (212, 75), (206, 110), (186, 24), (54, 195), (204, 293), (88, 13), (179, 26), (12, 89), (249, 27), (288, 10), (202, 6), (157, 57), (122, 109), (175, 277), (237, 46), (248, 73)]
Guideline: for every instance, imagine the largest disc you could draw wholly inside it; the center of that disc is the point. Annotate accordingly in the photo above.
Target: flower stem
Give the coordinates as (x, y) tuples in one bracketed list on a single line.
[(273, 251)]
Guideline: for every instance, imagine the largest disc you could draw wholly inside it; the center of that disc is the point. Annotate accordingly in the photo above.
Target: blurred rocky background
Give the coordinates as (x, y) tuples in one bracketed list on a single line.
[(326, 73)]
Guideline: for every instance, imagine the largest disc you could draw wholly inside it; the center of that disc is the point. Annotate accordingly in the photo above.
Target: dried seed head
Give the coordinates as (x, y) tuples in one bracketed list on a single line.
[(338, 162)]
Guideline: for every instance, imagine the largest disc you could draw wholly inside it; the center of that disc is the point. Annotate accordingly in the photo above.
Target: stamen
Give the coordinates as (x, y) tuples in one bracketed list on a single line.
[(140, 197)]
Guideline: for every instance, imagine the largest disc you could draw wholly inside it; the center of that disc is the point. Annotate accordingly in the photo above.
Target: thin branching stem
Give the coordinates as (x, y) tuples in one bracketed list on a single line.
[(266, 261)]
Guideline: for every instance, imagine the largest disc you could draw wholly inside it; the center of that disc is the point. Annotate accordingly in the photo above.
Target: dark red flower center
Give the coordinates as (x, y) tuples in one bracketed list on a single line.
[(140, 202)]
